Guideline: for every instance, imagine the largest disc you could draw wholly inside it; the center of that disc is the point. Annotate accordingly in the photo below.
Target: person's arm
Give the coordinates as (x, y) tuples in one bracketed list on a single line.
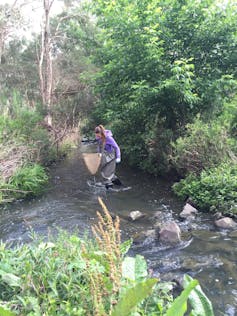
[(111, 141)]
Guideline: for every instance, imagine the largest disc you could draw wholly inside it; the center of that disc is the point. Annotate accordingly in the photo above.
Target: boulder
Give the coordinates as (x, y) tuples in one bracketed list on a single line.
[(170, 233), (226, 222), (188, 211)]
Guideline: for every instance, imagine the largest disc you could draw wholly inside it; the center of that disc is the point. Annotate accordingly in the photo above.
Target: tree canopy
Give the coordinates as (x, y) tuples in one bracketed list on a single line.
[(162, 63)]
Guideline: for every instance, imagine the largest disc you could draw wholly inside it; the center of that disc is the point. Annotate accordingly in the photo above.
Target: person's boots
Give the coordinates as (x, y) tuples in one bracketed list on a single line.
[(116, 181), (108, 184)]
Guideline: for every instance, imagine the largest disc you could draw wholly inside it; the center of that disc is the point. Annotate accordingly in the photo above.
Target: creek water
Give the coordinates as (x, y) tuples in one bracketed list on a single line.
[(208, 254)]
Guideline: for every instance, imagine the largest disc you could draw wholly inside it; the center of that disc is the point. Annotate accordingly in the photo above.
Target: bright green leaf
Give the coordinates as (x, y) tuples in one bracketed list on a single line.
[(132, 297)]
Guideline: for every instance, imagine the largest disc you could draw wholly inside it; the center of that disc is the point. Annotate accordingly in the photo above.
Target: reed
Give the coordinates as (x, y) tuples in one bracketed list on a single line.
[(108, 239)]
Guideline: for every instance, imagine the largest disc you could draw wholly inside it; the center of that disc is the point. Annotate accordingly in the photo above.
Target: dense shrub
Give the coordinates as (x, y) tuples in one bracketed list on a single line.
[(25, 144), (215, 189), (204, 145), (20, 125), (29, 180), (230, 116), (158, 145), (17, 117)]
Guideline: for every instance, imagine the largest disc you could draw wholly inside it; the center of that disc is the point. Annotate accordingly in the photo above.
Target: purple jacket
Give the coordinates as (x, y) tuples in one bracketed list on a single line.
[(110, 144)]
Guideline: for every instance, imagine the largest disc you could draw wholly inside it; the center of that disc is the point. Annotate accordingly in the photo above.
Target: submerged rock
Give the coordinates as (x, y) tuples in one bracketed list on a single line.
[(196, 263), (233, 234), (145, 237), (206, 235)]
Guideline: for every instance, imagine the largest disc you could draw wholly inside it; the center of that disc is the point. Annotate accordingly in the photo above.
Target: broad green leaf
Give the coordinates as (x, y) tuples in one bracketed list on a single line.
[(35, 306), (179, 305), (125, 246), (132, 297), (5, 267), (134, 268), (200, 303), (5, 312), (10, 278)]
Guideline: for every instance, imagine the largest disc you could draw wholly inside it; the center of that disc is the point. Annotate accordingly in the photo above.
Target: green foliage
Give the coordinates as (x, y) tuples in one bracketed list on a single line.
[(18, 119), (229, 118), (161, 64), (61, 277), (193, 294), (179, 306), (134, 268), (203, 146), (24, 144), (200, 303), (134, 272), (55, 278), (9, 278), (215, 189), (5, 312), (29, 179), (132, 297), (20, 124)]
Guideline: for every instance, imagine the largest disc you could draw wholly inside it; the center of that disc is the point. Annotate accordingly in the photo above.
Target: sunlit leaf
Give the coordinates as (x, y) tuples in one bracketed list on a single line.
[(132, 297), (179, 306)]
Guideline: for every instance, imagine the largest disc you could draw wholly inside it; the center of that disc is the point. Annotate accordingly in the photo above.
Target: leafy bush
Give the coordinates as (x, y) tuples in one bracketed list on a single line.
[(230, 116), (22, 123), (24, 144), (26, 181), (17, 118), (203, 146), (215, 189), (30, 180)]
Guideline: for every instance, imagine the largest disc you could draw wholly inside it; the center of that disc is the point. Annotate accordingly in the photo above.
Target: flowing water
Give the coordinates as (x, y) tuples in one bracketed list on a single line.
[(208, 254)]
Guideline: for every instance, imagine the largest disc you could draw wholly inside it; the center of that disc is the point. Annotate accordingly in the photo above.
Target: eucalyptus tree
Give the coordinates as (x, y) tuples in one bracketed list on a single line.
[(10, 19), (45, 61), (73, 45)]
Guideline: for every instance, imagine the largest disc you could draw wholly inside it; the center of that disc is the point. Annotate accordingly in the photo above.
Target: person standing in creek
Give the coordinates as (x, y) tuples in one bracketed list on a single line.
[(111, 155)]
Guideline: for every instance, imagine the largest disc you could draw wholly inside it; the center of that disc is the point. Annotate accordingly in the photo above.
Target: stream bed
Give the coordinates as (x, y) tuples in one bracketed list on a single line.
[(207, 253)]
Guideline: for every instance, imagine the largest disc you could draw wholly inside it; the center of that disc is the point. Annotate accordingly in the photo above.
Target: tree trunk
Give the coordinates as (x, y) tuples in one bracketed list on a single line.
[(45, 62)]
